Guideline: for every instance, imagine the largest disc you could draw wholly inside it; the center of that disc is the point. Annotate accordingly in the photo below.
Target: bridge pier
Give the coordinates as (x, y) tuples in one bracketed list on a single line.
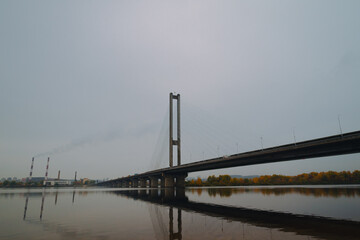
[(167, 181), (154, 182), (180, 180), (171, 181), (134, 183), (142, 182), (162, 182)]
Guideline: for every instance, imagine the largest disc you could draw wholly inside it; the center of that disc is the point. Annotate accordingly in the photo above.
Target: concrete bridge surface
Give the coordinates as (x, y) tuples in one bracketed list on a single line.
[(175, 176)]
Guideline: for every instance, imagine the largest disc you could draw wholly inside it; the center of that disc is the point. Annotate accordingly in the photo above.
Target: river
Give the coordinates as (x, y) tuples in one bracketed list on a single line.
[(271, 212)]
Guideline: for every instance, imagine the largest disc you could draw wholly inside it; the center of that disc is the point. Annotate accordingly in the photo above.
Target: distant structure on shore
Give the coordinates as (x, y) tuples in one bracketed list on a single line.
[(52, 181), (45, 181)]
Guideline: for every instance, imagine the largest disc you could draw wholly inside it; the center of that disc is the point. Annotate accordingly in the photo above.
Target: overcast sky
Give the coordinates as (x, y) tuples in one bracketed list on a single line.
[(89, 81)]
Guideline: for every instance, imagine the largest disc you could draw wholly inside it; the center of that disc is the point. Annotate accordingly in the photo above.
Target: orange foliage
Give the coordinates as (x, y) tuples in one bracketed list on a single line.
[(330, 177)]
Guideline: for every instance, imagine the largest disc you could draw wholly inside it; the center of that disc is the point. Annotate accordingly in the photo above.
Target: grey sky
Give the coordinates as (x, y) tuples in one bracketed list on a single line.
[(90, 80)]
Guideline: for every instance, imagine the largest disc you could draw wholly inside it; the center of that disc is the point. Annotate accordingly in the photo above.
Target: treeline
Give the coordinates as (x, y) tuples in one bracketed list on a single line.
[(7, 183), (334, 192), (330, 177)]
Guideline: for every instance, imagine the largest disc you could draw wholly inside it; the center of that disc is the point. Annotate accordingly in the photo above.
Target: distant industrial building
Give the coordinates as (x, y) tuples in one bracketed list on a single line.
[(84, 180), (52, 181), (62, 182)]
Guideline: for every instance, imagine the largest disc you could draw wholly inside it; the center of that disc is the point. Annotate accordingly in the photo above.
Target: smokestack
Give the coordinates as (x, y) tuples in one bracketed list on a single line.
[(75, 175), (31, 169), (47, 170), (59, 175)]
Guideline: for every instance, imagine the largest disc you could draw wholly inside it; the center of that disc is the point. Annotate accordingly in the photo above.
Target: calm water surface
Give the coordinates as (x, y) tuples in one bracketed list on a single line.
[(296, 212)]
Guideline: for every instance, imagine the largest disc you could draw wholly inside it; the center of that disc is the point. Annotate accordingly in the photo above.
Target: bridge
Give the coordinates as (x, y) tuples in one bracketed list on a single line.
[(174, 176)]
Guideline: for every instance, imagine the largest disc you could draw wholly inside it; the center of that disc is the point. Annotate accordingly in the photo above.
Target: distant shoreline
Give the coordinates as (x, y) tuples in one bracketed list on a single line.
[(313, 178), (60, 186), (195, 186)]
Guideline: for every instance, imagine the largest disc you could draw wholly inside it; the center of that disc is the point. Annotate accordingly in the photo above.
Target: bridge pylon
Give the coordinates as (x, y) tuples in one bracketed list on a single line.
[(173, 142)]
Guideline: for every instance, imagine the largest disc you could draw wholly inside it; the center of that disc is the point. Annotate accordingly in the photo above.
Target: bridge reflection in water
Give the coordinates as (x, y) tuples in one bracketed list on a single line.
[(174, 216), (306, 225)]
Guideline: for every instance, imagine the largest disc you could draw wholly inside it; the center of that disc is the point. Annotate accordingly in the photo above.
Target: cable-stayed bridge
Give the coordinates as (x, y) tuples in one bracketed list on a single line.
[(174, 176)]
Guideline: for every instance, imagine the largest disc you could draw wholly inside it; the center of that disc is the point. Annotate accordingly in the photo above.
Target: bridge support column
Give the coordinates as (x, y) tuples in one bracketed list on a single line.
[(180, 180), (154, 182), (142, 183), (134, 183), (168, 181), (162, 182)]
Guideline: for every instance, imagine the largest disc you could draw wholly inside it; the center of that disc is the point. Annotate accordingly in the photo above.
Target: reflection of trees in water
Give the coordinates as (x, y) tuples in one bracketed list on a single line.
[(316, 192), (225, 192)]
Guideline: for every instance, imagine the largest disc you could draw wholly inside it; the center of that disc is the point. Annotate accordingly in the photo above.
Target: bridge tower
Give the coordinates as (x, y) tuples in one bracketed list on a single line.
[(173, 142)]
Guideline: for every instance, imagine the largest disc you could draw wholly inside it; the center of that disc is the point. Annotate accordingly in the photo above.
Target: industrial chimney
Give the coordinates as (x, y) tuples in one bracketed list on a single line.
[(31, 169), (47, 170), (59, 175)]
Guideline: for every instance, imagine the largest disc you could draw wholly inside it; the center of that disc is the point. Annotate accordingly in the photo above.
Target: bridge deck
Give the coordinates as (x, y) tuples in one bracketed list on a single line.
[(322, 147)]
